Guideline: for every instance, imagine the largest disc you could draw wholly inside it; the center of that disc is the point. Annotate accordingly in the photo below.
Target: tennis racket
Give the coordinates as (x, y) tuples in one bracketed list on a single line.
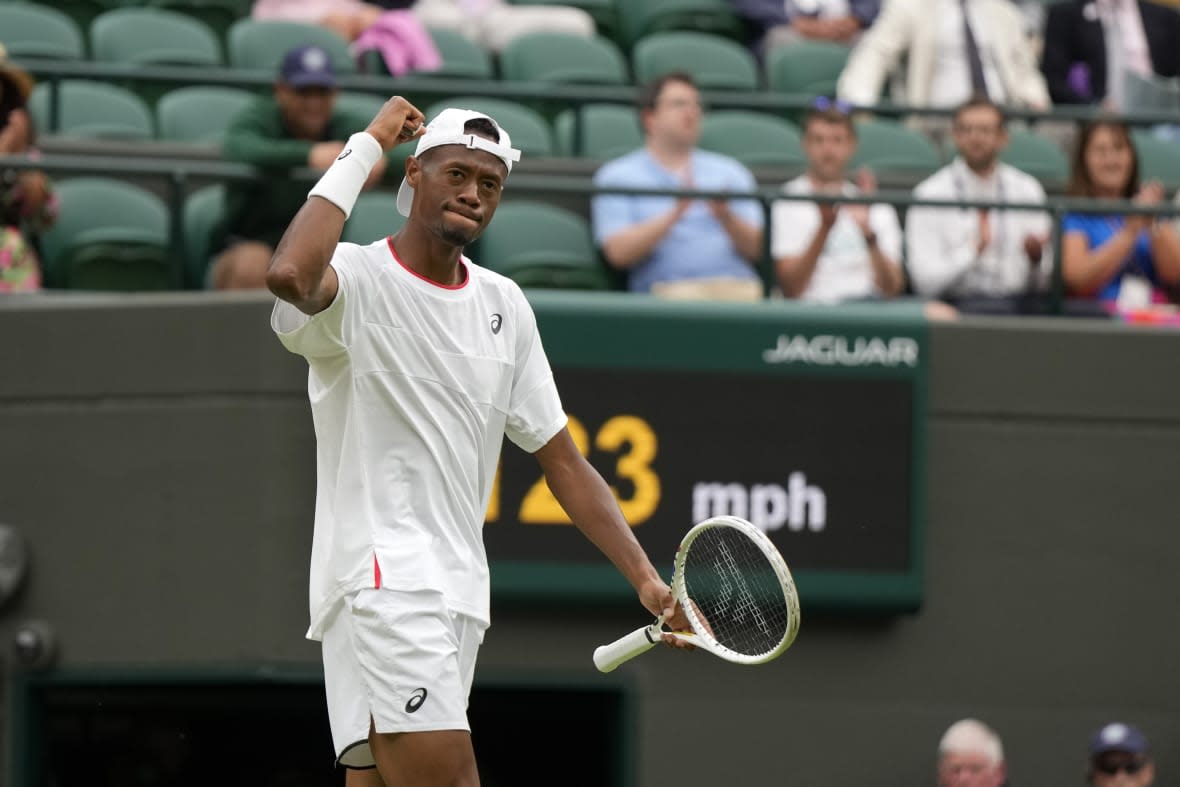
[(736, 591)]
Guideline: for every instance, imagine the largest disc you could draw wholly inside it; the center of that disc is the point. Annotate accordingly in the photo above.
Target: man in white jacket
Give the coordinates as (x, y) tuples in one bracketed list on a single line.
[(954, 49), (961, 254)]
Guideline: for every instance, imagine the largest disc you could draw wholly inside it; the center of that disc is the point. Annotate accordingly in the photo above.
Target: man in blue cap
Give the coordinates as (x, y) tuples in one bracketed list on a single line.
[(1120, 757), (297, 126)]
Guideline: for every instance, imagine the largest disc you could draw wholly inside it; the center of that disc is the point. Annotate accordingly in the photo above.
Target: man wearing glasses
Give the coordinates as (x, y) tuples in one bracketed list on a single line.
[(829, 252), (676, 246), (979, 259), (1119, 757)]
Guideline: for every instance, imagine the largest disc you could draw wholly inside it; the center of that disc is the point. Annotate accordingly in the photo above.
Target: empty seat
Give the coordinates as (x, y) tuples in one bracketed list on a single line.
[(462, 57), (605, 131), (714, 62), (30, 30), (562, 57), (753, 138), (218, 15), (539, 245), (888, 146), (199, 114), (262, 45), (374, 216), (1159, 159), (529, 132), (638, 18), (203, 214), (109, 235), (92, 109), (150, 35), (806, 67), (1040, 157)]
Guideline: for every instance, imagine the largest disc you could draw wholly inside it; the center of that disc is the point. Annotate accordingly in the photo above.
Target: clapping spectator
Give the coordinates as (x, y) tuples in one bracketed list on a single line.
[(829, 252), (27, 204), (787, 21), (1127, 262), (677, 246)]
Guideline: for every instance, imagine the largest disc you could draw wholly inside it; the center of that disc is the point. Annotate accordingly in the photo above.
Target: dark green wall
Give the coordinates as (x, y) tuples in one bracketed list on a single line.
[(157, 453)]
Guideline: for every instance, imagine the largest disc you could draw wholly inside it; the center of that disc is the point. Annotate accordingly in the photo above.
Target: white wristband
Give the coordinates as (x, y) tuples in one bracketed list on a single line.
[(344, 180)]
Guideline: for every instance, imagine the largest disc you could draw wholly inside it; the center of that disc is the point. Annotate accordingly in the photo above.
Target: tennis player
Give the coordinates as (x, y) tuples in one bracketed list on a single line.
[(420, 362)]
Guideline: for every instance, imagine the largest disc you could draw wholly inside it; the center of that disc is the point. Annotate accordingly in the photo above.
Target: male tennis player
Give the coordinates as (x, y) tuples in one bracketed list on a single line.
[(420, 362)]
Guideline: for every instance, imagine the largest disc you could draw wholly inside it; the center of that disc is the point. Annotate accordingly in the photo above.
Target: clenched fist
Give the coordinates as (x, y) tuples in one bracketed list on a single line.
[(396, 122)]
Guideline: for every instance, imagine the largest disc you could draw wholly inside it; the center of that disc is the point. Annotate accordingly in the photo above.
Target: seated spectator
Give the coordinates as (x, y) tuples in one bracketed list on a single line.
[(970, 752), (1126, 262), (27, 204), (828, 252), (788, 21), (668, 244), (1120, 757), (955, 49), (493, 23), (969, 256), (1091, 46), (297, 126), (349, 18)]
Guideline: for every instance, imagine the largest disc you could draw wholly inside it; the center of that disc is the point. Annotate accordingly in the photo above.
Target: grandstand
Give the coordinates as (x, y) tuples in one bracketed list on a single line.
[(1011, 509)]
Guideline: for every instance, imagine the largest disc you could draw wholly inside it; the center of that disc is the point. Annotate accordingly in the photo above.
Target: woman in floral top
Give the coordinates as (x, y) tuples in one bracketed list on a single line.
[(27, 204)]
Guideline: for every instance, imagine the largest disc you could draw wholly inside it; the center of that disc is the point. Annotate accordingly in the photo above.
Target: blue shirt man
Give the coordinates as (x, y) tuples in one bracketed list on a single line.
[(662, 240)]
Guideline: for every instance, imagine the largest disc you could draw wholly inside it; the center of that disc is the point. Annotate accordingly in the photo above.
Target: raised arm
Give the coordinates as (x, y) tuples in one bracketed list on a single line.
[(588, 500), (299, 272)]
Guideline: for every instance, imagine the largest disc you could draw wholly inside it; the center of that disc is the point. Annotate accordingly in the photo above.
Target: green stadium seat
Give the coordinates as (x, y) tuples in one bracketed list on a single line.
[(1038, 156), (529, 132), (199, 114), (753, 138), (150, 35), (886, 146), (261, 45), (1159, 159), (364, 105), (539, 245), (218, 15), (715, 63), (374, 216), (603, 12), (109, 235), (608, 130), (640, 18), (92, 109), (31, 30), (462, 58), (806, 67), (203, 212), (562, 57)]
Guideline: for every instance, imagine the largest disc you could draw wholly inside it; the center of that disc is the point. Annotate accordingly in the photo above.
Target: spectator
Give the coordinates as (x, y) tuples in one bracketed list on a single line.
[(828, 252), (493, 23), (27, 204), (298, 126), (1124, 261), (348, 18), (1120, 757), (955, 49), (678, 246), (970, 755), (1092, 45), (788, 21), (974, 256)]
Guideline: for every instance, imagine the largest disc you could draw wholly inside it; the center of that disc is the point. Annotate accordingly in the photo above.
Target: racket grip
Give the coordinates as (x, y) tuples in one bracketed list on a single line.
[(607, 657)]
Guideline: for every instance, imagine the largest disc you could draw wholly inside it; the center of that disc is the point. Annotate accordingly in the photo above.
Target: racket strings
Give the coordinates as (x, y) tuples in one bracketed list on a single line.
[(735, 594)]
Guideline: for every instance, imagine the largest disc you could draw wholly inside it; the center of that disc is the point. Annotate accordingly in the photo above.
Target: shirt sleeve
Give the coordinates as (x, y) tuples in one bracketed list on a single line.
[(748, 210), (609, 213), (535, 413), (792, 226), (883, 220), (329, 332)]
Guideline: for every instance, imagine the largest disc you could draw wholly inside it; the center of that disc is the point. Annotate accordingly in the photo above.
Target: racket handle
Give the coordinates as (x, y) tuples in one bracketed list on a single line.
[(607, 657)]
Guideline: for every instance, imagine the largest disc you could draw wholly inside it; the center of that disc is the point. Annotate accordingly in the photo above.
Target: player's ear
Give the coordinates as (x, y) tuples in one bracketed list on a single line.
[(413, 171)]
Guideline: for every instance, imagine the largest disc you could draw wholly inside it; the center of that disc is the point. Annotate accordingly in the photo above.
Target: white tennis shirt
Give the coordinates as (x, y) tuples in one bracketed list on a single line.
[(413, 386)]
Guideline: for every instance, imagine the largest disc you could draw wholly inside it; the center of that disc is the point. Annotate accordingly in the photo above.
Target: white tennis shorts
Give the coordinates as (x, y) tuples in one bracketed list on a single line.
[(401, 658)]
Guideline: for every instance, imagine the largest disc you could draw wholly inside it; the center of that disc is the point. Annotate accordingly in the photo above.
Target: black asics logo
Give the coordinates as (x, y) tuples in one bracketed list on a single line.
[(344, 155), (497, 321), (416, 700)]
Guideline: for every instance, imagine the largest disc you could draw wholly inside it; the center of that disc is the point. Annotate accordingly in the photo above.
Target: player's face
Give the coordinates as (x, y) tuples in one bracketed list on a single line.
[(828, 146), (979, 137), (306, 110), (456, 191), (676, 117), (969, 770)]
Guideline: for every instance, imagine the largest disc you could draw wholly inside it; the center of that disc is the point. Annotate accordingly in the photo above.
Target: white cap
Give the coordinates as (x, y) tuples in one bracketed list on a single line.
[(447, 129)]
